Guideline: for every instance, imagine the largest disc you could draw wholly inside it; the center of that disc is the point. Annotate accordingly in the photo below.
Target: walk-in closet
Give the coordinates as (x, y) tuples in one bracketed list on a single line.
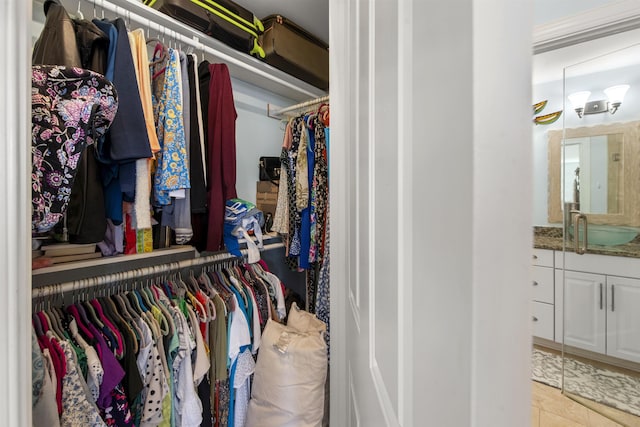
[(180, 226)]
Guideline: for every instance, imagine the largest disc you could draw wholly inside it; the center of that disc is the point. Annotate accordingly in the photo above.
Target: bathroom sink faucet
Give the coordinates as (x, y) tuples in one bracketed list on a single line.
[(572, 218)]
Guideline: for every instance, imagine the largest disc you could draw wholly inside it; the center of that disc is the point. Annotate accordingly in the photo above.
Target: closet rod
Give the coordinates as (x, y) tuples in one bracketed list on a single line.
[(96, 281), (166, 26), (277, 112)]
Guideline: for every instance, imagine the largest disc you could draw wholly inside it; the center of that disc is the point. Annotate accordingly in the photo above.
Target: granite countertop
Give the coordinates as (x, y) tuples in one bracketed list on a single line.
[(551, 238)]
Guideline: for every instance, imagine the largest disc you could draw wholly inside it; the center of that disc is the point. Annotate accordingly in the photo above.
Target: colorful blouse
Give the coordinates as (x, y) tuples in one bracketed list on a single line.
[(70, 109), (172, 171)]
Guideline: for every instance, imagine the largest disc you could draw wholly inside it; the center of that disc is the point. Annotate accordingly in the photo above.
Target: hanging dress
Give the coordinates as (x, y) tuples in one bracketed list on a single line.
[(172, 170)]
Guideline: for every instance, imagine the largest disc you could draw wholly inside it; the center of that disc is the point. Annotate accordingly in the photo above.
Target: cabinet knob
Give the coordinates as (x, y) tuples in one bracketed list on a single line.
[(535, 257), (535, 283), (534, 318)]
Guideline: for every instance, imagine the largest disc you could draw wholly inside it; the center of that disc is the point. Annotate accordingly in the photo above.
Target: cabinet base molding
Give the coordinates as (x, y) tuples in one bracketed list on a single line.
[(585, 354)]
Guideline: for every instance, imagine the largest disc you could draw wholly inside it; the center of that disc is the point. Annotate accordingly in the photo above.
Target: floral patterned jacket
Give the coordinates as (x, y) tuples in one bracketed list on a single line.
[(70, 109)]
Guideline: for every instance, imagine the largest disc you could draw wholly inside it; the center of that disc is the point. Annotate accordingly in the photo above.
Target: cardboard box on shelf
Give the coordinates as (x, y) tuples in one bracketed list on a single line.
[(266, 196)]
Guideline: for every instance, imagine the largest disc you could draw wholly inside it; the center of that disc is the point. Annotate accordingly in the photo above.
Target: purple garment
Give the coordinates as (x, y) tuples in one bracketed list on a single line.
[(113, 372)]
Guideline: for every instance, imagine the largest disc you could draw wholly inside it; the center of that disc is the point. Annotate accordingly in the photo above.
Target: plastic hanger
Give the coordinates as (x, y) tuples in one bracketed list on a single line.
[(223, 291), (192, 283), (144, 307), (203, 298), (237, 286), (309, 121), (111, 312), (79, 14), (148, 296), (55, 323), (133, 301), (75, 313), (164, 302), (92, 316), (128, 313), (178, 288), (83, 314), (186, 292), (37, 325), (184, 285), (323, 114), (46, 324), (153, 325), (63, 319), (73, 331), (109, 325), (156, 308), (158, 60)]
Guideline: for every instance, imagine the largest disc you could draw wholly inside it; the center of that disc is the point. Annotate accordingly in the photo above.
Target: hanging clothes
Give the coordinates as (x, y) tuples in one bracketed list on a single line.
[(109, 170), (71, 107), (172, 388), (281, 216), (57, 41), (289, 158), (172, 170), (65, 43), (197, 163), (177, 215), (77, 409), (143, 174), (303, 199), (221, 151), (129, 138)]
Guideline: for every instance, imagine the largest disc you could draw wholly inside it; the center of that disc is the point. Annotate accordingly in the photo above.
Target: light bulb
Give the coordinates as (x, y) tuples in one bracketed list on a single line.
[(616, 93), (578, 99)]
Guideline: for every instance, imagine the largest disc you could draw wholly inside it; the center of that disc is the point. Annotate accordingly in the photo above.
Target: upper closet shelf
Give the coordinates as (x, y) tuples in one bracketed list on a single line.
[(241, 66)]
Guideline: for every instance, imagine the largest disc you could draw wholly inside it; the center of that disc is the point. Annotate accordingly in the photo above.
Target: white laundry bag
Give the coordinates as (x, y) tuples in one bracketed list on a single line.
[(288, 384)]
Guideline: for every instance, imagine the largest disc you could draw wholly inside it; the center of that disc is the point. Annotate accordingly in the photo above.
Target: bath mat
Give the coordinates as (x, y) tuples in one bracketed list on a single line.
[(601, 385)]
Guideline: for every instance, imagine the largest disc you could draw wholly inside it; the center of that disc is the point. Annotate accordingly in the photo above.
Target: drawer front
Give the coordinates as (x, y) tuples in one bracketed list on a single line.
[(542, 318), (542, 282), (543, 257)]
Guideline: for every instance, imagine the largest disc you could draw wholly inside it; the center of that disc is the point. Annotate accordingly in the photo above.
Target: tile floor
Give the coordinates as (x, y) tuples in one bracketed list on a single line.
[(550, 408)]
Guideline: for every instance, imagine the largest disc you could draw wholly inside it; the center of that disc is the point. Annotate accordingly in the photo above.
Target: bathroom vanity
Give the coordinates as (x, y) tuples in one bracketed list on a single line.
[(600, 305)]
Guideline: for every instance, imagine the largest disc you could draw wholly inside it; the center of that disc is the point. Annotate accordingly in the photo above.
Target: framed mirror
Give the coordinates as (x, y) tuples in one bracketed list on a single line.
[(601, 170)]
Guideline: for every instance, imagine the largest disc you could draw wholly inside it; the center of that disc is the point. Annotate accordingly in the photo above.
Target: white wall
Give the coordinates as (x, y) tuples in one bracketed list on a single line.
[(546, 11), (593, 81), (256, 134)]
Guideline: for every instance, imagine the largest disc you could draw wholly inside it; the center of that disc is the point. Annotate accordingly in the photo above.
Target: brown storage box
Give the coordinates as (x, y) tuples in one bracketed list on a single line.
[(266, 197)]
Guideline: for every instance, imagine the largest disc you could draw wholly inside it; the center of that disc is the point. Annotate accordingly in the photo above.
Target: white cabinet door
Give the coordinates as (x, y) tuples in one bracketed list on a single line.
[(542, 318), (542, 282), (623, 318), (584, 311)]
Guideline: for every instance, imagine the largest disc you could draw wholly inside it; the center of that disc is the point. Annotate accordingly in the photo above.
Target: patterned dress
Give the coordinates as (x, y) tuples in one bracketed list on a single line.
[(77, 409), (172, 170), (290, 157)]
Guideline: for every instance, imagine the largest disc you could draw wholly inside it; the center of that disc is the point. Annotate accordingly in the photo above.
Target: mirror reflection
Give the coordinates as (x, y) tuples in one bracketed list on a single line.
[(593, 172), (594, 166)]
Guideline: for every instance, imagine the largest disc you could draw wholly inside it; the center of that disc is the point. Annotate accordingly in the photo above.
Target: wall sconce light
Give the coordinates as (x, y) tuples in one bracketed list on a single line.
[(615, 95)]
